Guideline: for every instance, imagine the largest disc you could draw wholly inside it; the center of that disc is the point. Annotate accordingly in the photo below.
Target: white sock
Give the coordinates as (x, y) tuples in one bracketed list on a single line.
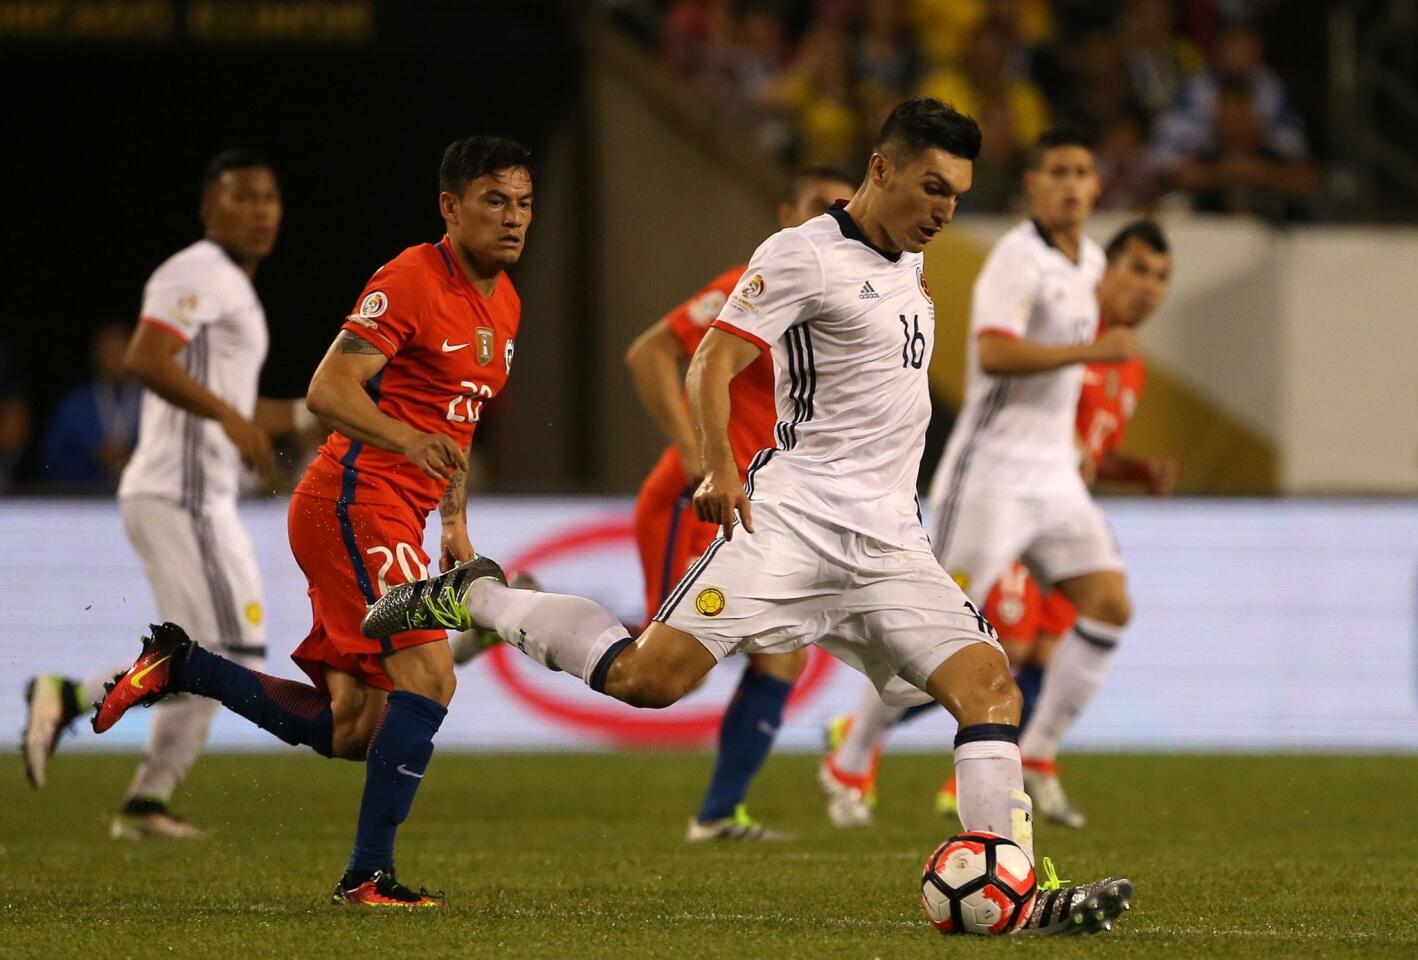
[(990, 795), (556, 630), (1070, 681), (176, 738), (869, 725)]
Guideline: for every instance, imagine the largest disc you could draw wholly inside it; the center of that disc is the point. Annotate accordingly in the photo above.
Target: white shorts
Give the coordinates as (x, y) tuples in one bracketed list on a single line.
[(203, 573), (977, 533), (890, 612)]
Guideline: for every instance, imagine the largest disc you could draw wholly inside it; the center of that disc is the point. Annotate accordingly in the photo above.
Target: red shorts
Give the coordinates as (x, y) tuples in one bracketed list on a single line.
[(1020, 611), (350, 554), (667, 532)]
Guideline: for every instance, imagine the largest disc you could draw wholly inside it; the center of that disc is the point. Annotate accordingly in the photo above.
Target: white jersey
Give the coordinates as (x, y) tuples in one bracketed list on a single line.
[(851, 330), (206, 300), (1015, 434)]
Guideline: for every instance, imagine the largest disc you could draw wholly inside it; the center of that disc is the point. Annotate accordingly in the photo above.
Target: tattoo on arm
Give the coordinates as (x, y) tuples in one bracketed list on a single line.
[(347, 342), (455, 495)]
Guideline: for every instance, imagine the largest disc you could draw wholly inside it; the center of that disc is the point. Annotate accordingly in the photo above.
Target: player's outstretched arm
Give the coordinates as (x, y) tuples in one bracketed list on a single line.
[(654, 362), (1002, 355), (152, 359), (720, 358), (337, 393)]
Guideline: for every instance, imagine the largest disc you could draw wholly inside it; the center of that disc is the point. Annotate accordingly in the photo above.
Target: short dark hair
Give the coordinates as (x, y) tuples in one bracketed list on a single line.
[(1147, 232), (472, 157), (1059, 135), (802, 176), (924, 122), (233, 158)]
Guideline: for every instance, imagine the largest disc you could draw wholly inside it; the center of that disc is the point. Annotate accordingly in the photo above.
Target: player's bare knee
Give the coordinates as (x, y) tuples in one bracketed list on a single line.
[(1110, 606), (996, 701), (633, 684)]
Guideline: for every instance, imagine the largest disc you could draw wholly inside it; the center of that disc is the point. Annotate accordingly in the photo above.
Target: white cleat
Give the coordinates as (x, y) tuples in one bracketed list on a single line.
[(1050, 801), (51, 705), (847, 806)]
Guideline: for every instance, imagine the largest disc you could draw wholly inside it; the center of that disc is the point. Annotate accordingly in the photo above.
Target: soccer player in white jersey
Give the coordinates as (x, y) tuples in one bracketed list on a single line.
[(198, 349), (822, 542), (1008, 485)]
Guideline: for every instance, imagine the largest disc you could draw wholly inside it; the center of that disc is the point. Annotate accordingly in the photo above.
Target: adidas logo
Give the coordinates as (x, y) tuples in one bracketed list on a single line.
[(867, 292)]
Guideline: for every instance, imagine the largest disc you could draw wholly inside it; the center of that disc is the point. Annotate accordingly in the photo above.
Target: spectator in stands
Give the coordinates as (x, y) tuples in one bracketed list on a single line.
[(95, 425), (1128, 179), (1240, 171), (14, 416), (1011, 112), (1188, 129), (1159, 61), (815, 93)]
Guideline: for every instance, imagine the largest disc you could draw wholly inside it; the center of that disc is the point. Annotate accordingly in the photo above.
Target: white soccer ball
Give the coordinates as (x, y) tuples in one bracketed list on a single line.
[(977, 883)]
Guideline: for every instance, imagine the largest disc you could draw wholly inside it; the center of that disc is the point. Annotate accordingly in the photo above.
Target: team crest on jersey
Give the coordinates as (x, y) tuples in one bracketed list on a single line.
[(507, 355), (921, 280), (961, 578), (373, 305), (754, 288), (710, 602), (484, 336), (254, 613)]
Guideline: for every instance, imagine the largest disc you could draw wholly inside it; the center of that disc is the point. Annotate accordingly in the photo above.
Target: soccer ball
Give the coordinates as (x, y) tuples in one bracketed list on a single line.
[(977, 883)]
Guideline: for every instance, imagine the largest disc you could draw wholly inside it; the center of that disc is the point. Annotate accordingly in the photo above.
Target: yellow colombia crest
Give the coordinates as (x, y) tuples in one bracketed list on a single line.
[(253, 613), (710, 602), (961, 578)]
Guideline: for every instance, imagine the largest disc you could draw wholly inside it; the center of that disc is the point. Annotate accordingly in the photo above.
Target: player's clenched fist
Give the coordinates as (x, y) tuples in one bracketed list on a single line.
[(1116, 345), (252, 443), (435, 454), (720, 494)]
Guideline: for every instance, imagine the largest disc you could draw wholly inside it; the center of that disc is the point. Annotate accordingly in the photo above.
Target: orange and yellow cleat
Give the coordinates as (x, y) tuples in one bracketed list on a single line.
[(148, 680)]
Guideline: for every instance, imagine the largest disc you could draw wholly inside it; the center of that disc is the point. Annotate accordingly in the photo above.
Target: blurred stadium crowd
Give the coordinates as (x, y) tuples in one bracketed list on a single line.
[(1210, 105), (1183, 97)]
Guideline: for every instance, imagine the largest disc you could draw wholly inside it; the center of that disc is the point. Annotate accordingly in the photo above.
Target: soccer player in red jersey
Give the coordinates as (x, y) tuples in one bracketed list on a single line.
[(669, 534), (431, 340)]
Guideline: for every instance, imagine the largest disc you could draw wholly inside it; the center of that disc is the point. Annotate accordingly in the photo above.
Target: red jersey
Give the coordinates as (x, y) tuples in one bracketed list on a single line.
[(1107, 403), (449, 349), (753, 408)]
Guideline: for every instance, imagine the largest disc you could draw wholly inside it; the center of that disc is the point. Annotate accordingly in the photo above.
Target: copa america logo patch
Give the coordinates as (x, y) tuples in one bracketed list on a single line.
[(755, 287), (507, 350), (374, 305)]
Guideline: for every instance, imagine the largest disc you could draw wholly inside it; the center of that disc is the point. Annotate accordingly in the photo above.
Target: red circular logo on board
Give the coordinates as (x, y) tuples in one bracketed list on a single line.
[(680, 725)]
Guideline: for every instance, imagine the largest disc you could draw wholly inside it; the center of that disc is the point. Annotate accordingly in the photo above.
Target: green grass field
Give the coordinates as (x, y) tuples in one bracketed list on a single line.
[(582, 856)]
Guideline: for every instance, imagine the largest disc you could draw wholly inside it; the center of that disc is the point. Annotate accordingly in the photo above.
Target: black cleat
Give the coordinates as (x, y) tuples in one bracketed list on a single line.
[(438, 603), (380, 889)]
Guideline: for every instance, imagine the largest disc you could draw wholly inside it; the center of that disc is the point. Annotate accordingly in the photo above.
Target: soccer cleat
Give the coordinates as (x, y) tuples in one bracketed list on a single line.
[(834, 732), (1041, 782), (1083, 908), (148, 818), (51, 707), (947, 804), (470, 644), (738, 827), (382, 890), (848, 805), (438, 603), (148, 680)]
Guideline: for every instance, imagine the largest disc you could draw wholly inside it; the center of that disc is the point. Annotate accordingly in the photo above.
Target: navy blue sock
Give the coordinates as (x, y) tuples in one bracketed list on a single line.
[(1031, 680), (746, 735), (398, 757), (295, 712)]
